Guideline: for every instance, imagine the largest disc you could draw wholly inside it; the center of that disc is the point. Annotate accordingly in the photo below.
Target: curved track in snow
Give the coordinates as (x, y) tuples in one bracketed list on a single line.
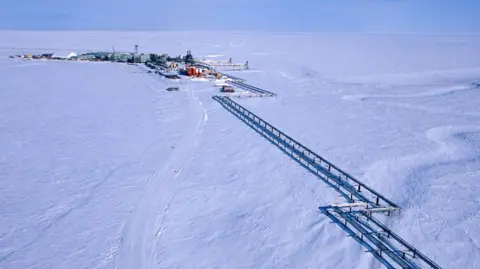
[(432, 93), (394, 99), (144, 225)]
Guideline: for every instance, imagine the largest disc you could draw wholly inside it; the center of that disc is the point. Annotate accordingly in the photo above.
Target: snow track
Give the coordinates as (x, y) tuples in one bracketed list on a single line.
[(64, 214), (144, 225), (432, 93)]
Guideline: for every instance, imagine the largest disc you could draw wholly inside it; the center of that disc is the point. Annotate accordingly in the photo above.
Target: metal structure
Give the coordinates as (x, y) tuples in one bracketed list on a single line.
[(189, 58), (222, 65), (228, 66), (352, 189), (244, 95), (231, 77), (251, 88), (386, 246)]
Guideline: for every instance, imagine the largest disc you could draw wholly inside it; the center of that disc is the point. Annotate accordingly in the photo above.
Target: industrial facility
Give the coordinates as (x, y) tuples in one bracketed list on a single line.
[(186, 67)]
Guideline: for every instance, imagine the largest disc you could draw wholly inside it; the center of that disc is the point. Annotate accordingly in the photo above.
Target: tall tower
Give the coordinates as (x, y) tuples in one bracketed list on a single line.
[(135, 56), (189, 57)]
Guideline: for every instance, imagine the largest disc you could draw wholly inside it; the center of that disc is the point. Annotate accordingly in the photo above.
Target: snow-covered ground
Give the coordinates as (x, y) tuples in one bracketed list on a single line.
[(100, 167)]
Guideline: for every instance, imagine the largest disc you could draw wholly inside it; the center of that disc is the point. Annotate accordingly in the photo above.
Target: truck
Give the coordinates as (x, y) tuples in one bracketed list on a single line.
[(227, 88)]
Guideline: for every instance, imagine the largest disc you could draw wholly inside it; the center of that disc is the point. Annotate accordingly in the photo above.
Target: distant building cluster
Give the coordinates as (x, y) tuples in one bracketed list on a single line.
[(161, 64), (120, 57), (99, 56)]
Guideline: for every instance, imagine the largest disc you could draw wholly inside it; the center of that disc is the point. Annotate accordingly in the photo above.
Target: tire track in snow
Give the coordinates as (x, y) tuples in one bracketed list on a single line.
[(433, 110), (84, 201), (432, 93), (139, 235), (161, 225), (447, 152)]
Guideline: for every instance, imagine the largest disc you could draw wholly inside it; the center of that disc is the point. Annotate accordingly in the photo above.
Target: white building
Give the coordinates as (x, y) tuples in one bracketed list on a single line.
[(64, 55)]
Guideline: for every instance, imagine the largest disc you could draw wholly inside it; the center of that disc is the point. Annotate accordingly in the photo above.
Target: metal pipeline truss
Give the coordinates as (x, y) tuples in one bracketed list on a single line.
[(231, 77), (349, 187), (386, 246), (210, 67), (251, 88)]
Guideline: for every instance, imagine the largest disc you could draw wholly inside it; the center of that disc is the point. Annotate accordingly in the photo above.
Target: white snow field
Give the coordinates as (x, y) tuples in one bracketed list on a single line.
[(100, 167)]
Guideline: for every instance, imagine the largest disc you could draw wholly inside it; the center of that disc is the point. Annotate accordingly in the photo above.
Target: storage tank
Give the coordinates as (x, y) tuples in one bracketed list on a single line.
[(192, 71)]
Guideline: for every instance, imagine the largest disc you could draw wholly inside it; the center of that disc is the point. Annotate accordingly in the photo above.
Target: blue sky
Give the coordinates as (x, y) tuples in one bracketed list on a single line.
[(262, 15)]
